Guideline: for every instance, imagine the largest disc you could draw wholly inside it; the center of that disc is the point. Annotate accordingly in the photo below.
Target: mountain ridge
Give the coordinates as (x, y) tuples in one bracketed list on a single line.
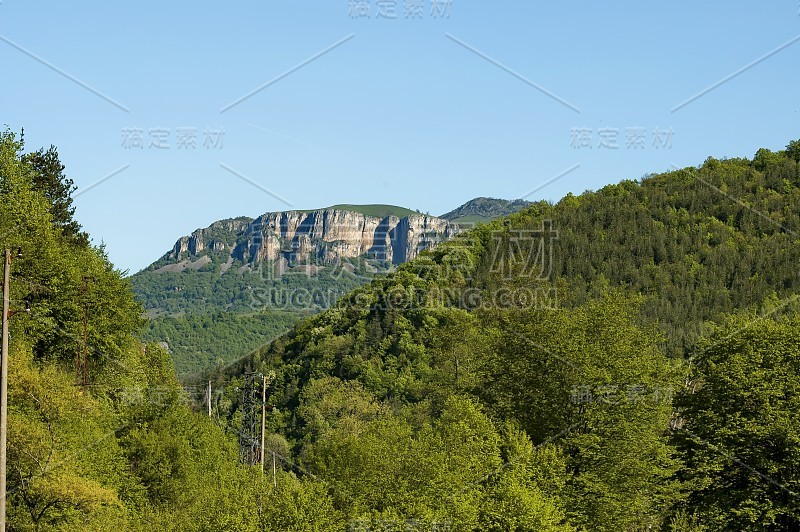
[(484, 209), (328, 234), (222, 234)]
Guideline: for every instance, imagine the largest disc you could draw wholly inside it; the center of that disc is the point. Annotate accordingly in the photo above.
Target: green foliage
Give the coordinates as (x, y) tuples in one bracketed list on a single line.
[(593, 379), (48, 177), (64, 461), (434, 472), (793, 150), (520, 496), (741, 424), (696, 242), (196, 341)]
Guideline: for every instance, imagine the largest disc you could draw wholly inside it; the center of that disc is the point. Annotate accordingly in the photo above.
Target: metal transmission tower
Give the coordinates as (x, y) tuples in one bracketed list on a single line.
[(250, 433)]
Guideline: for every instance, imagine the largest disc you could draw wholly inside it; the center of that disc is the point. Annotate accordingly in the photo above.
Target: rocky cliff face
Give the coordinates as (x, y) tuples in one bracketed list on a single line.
[(323, 236), (219, 236)]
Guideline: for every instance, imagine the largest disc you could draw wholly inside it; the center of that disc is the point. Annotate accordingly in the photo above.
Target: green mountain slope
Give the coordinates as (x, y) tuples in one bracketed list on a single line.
[(575, 338), (481, 210), (192, 311), (696, 243), (198, 342)]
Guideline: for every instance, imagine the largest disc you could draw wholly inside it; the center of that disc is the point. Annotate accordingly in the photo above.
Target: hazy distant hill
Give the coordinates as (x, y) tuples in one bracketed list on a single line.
[(481, 210)]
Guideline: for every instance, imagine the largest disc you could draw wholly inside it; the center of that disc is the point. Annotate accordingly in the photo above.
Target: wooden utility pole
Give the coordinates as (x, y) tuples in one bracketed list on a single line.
[(4, 386), (209, 398), (263, 419), (81, 355)]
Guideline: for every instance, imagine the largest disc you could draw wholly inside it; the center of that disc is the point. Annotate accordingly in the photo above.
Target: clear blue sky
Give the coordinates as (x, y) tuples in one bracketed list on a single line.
[(407, 111)]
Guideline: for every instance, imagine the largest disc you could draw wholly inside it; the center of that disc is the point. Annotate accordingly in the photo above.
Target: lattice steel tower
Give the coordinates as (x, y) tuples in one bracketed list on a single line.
[(250, 433)]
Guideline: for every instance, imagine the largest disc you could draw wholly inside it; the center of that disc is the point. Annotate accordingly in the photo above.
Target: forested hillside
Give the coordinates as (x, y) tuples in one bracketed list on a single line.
[(482, 210), (697, 242), (564, 358), (627, 359), (122, 450), (200, 342)]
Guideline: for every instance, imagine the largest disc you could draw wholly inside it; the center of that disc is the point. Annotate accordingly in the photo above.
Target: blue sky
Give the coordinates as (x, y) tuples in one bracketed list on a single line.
[(488, 99)]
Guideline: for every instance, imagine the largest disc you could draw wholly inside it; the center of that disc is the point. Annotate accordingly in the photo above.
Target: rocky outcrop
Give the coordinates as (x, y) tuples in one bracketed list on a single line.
[(325, 236), (217, 237)]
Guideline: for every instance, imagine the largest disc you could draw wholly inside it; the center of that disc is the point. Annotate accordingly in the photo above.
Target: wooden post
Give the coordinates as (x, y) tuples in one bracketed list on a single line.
[(4, 387)]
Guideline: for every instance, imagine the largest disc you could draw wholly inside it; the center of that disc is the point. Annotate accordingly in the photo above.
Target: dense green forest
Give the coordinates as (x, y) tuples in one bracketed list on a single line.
[(641, 371), (601, 346), (198, 342), (205, 317), (206, 290), (123, 451)]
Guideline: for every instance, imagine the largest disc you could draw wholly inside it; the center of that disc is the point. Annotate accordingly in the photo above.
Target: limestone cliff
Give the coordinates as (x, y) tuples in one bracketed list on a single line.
[(219, 236), (324, 236)]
